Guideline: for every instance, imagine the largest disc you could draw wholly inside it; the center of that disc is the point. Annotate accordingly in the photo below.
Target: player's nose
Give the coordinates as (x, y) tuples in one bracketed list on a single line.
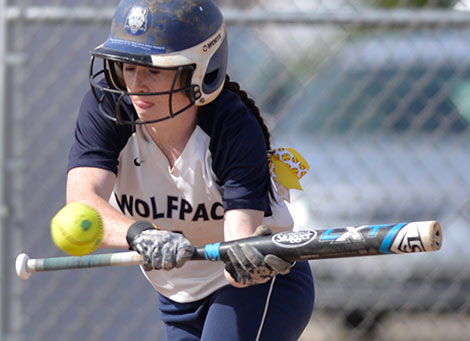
[(139, 81)]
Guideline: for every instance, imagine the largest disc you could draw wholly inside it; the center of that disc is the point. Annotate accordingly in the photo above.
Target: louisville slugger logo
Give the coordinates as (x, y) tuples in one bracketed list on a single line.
[(408, 239), (293, 238)]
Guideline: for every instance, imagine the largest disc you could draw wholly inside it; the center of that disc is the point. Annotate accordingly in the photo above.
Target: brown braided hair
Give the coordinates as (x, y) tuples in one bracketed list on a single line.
[(250, 103), (235, 87)]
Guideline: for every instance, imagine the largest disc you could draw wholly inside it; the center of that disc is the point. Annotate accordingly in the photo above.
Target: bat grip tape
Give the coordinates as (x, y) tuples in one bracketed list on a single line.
[(211, 252)]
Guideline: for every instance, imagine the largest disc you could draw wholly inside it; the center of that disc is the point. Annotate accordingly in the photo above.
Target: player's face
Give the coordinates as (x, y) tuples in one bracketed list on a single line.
[(140, 79)]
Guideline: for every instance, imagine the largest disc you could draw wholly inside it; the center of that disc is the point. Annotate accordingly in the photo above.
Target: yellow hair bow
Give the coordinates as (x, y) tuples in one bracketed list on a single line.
[(287, 167)]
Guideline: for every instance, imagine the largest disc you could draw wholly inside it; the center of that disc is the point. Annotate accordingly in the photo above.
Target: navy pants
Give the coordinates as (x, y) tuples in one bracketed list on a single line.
[(277, 310)]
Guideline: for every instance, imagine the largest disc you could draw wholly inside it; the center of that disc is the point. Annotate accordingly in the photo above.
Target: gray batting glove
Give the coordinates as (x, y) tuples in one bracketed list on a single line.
[(249, 266), (159, 249)]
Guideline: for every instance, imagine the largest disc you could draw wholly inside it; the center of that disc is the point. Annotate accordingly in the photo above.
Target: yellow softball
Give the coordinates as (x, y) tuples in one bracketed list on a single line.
[(77, 229)]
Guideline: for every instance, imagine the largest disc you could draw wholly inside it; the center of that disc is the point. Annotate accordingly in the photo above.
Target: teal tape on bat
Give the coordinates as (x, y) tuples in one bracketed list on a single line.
[(211, 252)]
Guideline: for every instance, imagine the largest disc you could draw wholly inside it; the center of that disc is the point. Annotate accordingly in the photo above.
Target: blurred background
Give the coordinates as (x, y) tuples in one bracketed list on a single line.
[(374, 94)]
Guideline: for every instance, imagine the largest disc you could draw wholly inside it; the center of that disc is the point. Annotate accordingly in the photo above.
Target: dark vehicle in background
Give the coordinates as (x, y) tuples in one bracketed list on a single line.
[(385, 128)]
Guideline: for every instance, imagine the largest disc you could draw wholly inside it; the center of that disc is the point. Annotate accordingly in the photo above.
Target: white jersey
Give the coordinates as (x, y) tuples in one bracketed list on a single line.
[(223, 166)]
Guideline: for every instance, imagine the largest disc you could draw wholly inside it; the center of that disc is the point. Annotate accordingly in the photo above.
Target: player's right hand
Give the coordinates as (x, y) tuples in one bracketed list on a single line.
[(159, 249), (248, 266)]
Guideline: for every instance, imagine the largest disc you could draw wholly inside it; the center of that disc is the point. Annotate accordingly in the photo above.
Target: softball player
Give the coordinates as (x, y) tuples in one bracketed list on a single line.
[(173, 154)]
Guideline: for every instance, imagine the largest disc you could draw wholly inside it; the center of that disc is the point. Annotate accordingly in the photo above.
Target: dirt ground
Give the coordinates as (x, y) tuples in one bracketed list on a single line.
[(394, 326)]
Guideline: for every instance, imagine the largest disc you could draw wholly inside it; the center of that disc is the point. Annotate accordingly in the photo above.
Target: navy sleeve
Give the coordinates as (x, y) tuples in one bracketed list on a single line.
[(98, 140), (239, 156)]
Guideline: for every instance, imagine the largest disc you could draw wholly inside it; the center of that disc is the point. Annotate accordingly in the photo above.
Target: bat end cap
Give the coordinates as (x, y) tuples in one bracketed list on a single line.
[(436, 236), (21, 266)]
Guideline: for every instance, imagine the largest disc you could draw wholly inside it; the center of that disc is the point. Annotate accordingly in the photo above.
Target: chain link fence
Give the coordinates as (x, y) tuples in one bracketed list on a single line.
[(374, 94)]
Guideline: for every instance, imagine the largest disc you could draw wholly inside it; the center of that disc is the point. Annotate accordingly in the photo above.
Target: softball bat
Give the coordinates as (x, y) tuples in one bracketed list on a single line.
[(335, 242)]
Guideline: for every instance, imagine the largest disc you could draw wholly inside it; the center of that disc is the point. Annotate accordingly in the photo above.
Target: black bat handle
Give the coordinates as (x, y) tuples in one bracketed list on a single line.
[(199, 253), (218, 251), (213, 252)]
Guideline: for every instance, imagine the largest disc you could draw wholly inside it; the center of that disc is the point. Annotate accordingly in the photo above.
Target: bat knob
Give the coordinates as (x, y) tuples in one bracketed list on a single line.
[(21, 266)]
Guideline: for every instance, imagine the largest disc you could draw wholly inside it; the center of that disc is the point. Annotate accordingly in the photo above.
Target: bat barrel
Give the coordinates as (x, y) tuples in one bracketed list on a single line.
[(423, 236)]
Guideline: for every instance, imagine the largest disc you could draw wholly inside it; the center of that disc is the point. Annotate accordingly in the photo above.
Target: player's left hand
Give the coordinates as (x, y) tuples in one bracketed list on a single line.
[(160, 250), (248, 266)]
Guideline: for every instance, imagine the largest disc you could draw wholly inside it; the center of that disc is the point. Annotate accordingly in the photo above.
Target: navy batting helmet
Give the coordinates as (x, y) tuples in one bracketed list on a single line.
[(188, 36)]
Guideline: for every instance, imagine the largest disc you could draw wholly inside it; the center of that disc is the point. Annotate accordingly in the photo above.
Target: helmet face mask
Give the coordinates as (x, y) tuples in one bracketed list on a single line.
[(194, 44), (113, 97)]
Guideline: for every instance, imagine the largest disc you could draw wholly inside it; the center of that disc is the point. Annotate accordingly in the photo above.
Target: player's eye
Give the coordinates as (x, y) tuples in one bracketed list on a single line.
[(129, 68)]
